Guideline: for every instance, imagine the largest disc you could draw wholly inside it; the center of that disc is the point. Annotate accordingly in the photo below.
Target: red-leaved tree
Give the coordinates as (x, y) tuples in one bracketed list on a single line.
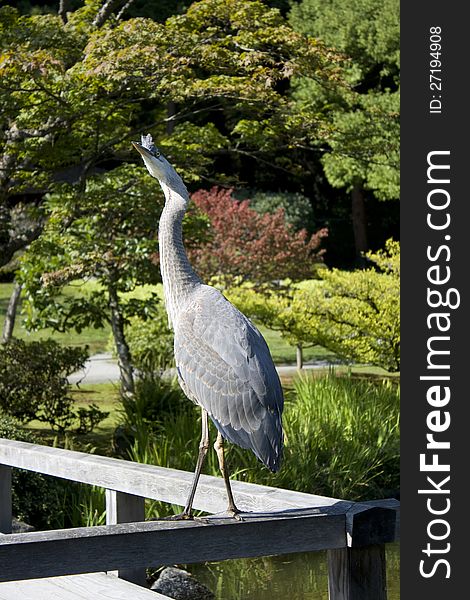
[(245, 245)]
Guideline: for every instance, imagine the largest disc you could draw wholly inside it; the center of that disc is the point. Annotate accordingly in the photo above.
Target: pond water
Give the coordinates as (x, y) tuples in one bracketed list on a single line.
[(300, 576)]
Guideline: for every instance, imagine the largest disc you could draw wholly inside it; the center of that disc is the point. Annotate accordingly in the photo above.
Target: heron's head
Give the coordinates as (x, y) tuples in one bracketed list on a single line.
[(157, 165)]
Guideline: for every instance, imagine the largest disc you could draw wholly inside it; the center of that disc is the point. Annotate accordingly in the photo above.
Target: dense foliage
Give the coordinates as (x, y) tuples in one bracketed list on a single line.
[(246, 245), (297, 208), (105, 231), (151, 343), (363, 146), (213, 83), (357, 314)]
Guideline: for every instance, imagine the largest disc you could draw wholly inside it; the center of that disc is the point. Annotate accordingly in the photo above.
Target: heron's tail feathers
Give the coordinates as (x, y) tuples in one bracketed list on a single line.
[(266, 442)]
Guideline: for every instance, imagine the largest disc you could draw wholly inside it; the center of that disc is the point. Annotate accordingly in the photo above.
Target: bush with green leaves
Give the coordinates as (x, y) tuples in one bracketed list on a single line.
[(151, 343), (155, 400), (273, 308), (34, 386), (356, 314), (297, 208)]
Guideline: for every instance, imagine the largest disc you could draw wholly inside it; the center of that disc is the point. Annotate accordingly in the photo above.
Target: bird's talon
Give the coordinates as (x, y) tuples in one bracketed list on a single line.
[(202, 520), (235, 514)]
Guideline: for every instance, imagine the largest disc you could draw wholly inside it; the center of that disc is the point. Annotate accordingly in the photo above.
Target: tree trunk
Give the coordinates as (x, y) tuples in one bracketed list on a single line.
[(170, 112), (359, 222), (63, 7), (9, 324), (106, 11), (122, 349), (299, 356)]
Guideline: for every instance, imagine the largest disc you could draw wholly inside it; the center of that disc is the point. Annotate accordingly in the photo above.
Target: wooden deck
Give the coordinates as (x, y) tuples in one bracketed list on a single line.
[(95, 586), (276, 522)]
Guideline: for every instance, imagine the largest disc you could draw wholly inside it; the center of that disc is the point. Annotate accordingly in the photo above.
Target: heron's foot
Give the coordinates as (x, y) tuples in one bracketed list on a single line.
[(205, 520), (233, 512), (184, 516)]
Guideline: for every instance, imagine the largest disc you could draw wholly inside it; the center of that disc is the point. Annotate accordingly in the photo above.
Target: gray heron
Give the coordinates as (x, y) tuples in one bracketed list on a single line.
[(223, 362)]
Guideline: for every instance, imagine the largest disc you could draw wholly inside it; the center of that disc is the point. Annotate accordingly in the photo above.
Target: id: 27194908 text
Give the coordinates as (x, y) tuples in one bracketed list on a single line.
[(435, 70)]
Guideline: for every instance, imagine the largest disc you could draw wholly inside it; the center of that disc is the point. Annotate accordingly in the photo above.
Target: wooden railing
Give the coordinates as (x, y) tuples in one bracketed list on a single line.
[(277, 521)]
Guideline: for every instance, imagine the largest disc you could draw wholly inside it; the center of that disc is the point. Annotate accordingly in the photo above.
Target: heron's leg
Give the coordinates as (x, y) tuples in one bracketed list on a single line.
[(219, 448), (203, 448)]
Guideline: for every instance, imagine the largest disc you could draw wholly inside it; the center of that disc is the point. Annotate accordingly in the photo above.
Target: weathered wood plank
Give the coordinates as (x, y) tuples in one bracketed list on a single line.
[(357, 573), (149, 481), (155, 543), (393, 504), (5, 499), (367, 524), (126, 508), (93, 586)]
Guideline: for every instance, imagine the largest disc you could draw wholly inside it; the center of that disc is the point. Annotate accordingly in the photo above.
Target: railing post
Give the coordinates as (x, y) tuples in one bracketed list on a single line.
[(357, 573), (5, 499), (126, 508)]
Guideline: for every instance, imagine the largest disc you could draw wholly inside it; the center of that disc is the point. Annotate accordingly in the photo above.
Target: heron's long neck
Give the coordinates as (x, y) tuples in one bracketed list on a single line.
[(179, 278)]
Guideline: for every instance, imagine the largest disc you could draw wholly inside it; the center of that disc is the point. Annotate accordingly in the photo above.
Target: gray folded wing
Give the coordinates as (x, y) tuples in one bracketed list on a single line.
[(224, 365)]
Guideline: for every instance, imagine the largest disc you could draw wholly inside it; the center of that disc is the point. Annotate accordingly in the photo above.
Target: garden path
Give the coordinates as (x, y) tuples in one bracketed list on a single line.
[(103, 368)]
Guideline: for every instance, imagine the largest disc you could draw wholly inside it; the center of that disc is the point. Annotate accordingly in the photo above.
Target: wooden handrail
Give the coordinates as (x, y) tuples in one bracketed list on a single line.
[(155, 543), (157, 483)]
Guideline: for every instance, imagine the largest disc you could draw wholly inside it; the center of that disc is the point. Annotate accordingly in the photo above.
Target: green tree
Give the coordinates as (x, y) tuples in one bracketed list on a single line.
[(76, 87), (107, 231), (356, 314), (363, 140)]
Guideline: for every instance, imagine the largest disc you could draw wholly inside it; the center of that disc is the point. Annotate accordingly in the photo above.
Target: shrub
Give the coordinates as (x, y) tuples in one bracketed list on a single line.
[(246, 245), (297, 207), (356, 314), (155, 401), (151, 343), (33, 384)]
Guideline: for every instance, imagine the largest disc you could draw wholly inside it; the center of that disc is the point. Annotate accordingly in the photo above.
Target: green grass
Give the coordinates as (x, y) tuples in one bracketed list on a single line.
[(284, 353), (96, 339)]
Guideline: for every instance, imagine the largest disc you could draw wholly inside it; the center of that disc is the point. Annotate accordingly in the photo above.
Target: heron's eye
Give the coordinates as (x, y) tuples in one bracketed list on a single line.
[(157, 153)]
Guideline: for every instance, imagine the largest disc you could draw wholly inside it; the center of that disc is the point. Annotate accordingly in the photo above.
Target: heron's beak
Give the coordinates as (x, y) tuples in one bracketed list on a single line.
[(143, 151)]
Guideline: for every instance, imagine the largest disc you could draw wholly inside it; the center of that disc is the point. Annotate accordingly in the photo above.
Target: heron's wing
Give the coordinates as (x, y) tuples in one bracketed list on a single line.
[(225, 366)]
